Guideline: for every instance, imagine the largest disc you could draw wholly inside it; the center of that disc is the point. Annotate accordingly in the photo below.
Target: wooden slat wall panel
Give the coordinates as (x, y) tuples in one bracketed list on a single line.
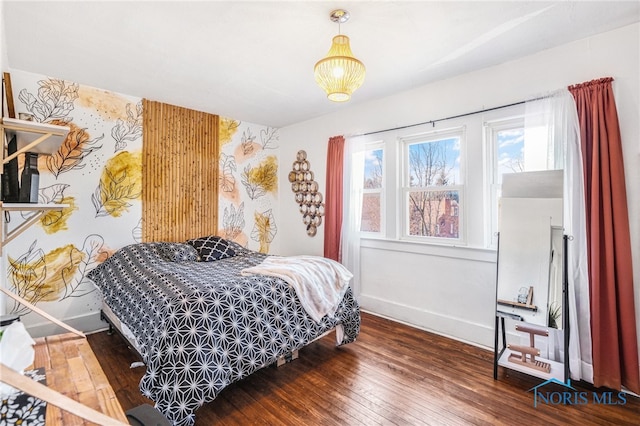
[(179, 173)]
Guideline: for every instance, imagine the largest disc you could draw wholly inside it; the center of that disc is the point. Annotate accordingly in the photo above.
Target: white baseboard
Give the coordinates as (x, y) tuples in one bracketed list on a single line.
[(87, 323), (480, 335)]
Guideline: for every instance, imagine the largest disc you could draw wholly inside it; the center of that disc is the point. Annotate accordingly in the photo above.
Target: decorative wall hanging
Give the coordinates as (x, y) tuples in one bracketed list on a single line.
[(306, 192)]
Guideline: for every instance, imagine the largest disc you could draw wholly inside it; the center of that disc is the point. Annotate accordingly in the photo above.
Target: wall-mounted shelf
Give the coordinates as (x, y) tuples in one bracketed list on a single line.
[(533, 308), (38, 211), (33, 136)]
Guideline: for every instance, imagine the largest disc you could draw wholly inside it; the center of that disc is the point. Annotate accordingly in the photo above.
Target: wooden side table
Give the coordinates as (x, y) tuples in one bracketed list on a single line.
[(72, 369)]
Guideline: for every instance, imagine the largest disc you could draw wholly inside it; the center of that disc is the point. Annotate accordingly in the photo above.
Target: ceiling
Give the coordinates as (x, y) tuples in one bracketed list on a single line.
[(253, 61)]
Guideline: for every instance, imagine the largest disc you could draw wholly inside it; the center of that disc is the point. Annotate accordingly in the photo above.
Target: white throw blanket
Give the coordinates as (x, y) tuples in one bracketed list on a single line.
[(320, 283)]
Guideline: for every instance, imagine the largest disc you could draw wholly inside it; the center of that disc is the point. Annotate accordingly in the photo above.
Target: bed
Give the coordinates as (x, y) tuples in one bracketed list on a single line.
[(203, 320)]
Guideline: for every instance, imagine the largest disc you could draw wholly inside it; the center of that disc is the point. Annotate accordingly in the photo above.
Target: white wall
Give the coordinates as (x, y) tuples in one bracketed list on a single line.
[(452, 290), (3, 42)]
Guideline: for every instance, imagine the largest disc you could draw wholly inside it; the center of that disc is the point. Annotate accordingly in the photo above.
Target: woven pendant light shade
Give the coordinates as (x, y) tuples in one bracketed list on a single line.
[(339, 73)]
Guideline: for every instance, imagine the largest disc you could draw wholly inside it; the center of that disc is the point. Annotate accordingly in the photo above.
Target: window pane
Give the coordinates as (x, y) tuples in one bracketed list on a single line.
[(434, 213), (373, 169), (434, 163), (370, 213), (510, 151)]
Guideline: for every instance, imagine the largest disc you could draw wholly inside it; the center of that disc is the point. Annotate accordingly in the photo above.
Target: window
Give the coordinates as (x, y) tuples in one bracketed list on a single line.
[(373, 187), (443, 185), (505, 149), (512, 148), (433, 186)]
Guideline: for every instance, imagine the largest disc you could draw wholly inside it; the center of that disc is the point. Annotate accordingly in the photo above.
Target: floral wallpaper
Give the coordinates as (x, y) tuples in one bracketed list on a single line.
[(248, 184), (97, 174)]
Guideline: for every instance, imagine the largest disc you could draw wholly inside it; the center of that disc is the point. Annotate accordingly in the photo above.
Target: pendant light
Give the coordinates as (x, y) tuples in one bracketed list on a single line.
[(339, 73)]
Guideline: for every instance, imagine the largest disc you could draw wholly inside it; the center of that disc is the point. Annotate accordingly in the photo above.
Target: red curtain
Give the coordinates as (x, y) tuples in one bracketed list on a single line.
[(333, 198), (613, 324)]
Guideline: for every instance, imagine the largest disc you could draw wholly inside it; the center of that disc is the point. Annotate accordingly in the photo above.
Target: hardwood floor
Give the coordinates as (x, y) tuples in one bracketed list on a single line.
[(392, 375)]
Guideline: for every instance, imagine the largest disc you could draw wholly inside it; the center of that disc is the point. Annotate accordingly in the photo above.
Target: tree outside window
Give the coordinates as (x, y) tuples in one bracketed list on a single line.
[(372, 191), (434, 188)]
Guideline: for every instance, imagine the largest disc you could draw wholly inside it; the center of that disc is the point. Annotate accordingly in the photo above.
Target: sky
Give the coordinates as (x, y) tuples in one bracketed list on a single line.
[(510, 153)]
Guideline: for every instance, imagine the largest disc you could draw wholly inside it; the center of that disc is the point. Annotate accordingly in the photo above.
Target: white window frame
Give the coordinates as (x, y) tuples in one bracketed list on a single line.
[(373, 146), (491, 161), (405, 189)]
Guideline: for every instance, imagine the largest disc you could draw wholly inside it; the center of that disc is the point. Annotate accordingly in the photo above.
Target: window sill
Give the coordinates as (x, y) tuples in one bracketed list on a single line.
[(478, 254)]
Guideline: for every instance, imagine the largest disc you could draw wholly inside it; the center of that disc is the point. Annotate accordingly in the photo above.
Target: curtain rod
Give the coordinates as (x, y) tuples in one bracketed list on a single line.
[(450, 117)]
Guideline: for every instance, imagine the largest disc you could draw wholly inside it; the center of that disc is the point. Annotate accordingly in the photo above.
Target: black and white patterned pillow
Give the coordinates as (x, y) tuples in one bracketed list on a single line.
[(212, 248), (21, 408)]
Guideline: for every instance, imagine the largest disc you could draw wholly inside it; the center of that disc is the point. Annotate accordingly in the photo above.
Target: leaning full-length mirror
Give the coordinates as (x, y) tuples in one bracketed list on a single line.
[(530, 248)]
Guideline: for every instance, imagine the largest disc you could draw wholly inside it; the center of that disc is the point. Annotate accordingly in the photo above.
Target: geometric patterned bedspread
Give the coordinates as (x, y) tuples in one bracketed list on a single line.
[(201, 326)]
